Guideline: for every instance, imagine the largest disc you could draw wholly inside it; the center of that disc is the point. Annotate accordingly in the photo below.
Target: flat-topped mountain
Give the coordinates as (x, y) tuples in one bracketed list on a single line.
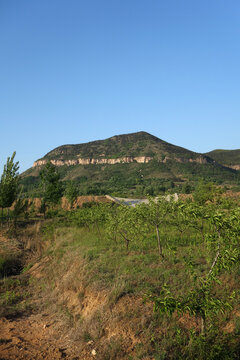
[(136, 163)]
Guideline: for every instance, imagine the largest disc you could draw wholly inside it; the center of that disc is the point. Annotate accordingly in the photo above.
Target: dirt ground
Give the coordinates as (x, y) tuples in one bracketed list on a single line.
[(33, 337), (27, 331), (29, 327)]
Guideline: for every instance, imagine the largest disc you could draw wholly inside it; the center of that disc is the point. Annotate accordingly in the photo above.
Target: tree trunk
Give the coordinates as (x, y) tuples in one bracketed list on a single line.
[(127, 243), (202, 231), (8, 216), (214, 262), (203, 325), (159, 243), (98, 230), (216, 256)]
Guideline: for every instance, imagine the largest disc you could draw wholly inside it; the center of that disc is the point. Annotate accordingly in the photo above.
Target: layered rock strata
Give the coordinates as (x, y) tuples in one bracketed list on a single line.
[(234, 167), (123, 160), (92, 161)]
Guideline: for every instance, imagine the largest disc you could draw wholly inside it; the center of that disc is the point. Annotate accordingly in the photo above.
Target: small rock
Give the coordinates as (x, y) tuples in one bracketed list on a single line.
[(90, 342), (94, 353)]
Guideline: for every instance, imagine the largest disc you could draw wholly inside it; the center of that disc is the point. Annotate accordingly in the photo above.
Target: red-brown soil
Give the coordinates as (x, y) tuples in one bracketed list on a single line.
[(26, 330), (33, 336)]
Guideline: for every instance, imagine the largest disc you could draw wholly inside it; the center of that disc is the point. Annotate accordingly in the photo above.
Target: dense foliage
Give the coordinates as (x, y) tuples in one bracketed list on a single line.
[(9, 183), (51, 185)]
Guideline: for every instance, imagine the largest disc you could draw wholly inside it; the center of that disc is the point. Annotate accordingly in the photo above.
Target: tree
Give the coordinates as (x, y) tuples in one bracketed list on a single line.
[(154, 214), (187, 188), (71, 192), (201, 300), (20, 207), (180, 217), (197, 215), (206, 193), (51, 184), (125, 223), (9, 184)]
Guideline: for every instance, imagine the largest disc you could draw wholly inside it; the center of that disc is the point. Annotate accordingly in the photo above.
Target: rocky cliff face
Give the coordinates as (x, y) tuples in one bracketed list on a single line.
[(199, 160), (92, 161), (234, 167), (122, 160)]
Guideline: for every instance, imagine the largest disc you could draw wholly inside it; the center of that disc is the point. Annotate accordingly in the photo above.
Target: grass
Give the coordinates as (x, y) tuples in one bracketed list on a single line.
[(106, 261), (14, 296), (87, 262), (98, 287)]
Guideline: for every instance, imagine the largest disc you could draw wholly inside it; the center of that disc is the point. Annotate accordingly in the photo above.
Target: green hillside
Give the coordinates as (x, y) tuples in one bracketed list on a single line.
[(169, 167), (135, 144), (225, 157)]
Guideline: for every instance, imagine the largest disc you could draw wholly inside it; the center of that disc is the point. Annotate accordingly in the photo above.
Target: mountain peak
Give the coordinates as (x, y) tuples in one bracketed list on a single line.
[(130, 162), (136, 144)]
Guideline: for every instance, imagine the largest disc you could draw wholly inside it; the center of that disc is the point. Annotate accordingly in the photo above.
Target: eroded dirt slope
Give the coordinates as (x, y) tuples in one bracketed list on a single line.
[(26, 330)]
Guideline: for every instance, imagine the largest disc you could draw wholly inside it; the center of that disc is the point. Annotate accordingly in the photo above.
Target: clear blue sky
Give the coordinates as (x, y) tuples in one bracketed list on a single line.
[(73, 71)]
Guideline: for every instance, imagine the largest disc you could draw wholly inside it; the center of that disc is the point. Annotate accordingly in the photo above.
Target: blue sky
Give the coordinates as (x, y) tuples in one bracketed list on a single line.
[(74, 71)]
